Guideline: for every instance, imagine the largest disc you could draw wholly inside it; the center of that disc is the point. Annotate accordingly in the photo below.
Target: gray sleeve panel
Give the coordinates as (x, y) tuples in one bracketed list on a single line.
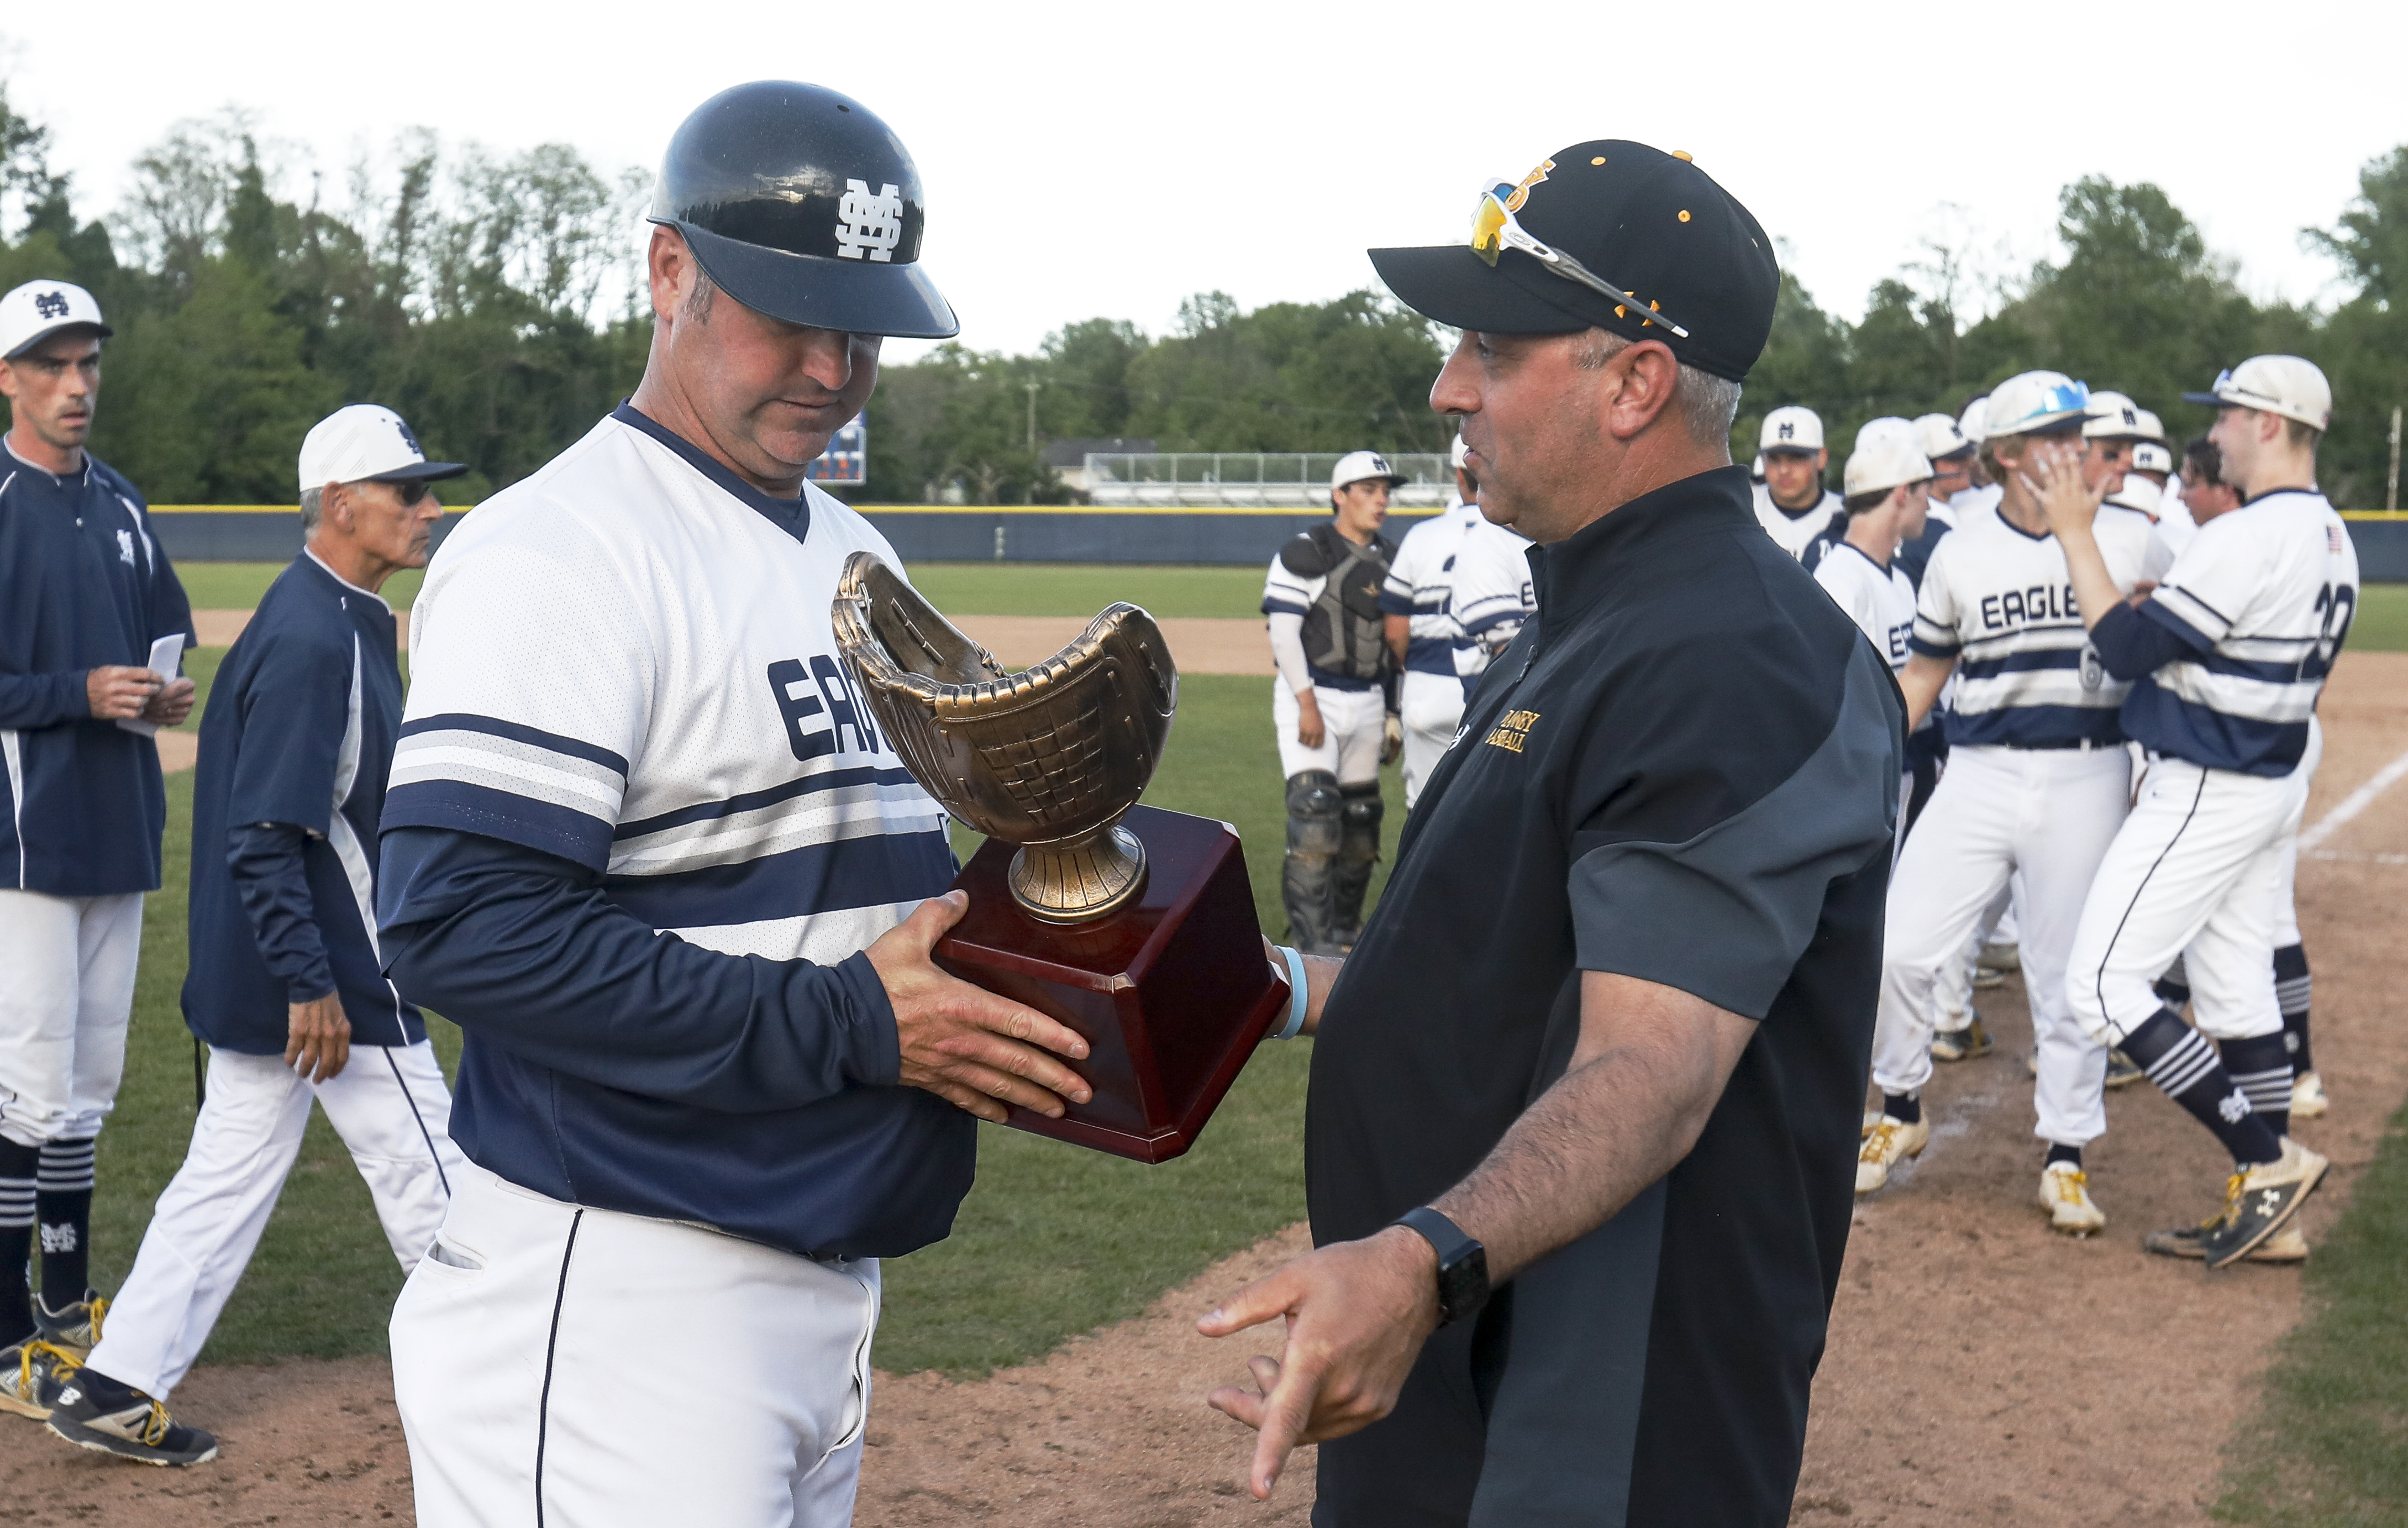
[(1725, 915)]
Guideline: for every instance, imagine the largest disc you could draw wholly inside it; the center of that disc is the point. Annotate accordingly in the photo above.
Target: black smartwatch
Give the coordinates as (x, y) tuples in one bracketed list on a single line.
[(1462, 1263)]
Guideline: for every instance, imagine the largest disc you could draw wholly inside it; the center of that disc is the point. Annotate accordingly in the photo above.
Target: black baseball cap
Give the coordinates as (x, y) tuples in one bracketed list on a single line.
[(1649, 222)]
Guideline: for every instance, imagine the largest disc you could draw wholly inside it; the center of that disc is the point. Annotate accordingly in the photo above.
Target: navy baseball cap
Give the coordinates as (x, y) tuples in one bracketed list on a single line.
[(1652, 225)]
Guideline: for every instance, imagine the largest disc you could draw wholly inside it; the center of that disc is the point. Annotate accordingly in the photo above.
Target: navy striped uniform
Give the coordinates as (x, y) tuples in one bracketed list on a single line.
[(286, 803), (639, 831), (82, 585), (1999, 601), (2233, 648)]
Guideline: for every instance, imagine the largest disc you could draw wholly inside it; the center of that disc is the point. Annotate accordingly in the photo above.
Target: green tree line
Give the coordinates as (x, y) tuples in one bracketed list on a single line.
[(496, 300)]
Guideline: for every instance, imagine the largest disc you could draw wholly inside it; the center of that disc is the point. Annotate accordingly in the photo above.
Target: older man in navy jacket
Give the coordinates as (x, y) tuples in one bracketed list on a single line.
[(86, 598)]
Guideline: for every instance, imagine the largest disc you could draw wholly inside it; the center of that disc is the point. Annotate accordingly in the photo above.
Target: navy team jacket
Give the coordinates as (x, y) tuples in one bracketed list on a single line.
[(82, 585), (296, 749)]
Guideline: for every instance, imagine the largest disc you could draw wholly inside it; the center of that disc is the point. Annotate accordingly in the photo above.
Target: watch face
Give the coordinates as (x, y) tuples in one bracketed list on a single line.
[(1463, 1284)]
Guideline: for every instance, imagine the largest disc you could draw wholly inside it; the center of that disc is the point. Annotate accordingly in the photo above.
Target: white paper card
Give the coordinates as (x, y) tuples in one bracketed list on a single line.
[(165, 653)]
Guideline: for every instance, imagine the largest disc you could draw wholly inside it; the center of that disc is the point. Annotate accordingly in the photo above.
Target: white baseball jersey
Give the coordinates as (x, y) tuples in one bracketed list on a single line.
[(614, 664), (1419, 582), (2001, 602), (2176, 527), (1881, 600), (1796, 533), (1492, 595), (2263, 599), (1969, 504)]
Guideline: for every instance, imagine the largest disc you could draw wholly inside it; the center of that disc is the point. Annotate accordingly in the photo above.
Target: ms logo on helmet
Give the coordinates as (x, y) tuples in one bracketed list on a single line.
[(870, 223)]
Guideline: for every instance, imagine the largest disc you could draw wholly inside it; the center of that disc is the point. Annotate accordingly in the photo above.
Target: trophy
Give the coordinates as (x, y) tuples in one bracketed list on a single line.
[(1131, 924)]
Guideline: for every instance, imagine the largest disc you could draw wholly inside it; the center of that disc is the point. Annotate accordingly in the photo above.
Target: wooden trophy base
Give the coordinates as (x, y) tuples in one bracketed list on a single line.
[(1171, 992)]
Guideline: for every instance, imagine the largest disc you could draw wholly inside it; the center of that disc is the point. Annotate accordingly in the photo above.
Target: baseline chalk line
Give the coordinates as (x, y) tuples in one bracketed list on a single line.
[(2313, 837)]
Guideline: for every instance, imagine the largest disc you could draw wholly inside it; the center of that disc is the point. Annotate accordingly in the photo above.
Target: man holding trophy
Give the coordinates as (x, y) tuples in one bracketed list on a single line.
[(647, 846)]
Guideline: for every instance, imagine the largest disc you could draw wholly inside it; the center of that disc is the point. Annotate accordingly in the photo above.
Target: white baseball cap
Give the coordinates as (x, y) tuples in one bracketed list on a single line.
[(1360, 466), (2150, 426), (37, 310), (1888, 428), (2150, 456), (1755, 468), (2137, 493), (364, 444), (1974, 420), (2113, 417), (1793, 427), (1456, 455), (1941, 437), (1884, 459), (2289, 385), (2035, 403)]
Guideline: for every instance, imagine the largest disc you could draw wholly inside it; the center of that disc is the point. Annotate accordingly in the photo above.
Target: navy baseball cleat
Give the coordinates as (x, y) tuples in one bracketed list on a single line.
[(96, 1412), (2260, 1202)]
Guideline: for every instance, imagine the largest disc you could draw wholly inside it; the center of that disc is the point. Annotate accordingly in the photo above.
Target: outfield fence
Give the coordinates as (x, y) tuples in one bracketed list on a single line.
[(1032, 533)]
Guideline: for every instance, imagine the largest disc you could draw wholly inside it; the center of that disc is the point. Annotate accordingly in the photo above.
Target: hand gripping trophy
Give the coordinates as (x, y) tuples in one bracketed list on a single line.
[(1132, 925)]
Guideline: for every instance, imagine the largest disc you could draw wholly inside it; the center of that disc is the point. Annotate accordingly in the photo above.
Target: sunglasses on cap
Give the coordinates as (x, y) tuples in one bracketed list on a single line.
[(1495, 230)]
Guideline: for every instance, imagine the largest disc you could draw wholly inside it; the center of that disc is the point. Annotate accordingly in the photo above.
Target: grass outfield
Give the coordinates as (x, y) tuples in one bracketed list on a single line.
[(1053, 1240), (2329, 1446), (969, 588)]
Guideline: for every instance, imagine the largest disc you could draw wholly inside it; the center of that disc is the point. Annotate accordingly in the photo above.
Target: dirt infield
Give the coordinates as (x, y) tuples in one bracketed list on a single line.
[(1980, 1369)]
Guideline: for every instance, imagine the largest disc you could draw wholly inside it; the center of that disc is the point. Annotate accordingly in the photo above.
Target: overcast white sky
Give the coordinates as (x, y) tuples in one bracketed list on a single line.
[(1093, 159)]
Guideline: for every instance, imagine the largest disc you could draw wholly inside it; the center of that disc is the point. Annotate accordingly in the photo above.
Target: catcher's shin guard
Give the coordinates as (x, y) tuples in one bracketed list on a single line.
[(1308, 879), (1358, 850)]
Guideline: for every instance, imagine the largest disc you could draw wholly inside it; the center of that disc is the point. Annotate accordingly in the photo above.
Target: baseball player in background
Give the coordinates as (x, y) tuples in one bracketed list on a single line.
[(283, 982), (646, 845), (1889, 481), (2227, 659), (1943, 444), (2293, 985), (1791, 503), (92, 619), (1422, 632), (1333, 705), (1982, 492), (2037, 783), (1493, 596)]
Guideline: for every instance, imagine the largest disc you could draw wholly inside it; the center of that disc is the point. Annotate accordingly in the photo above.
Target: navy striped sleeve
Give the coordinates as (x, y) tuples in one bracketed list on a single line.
[(532, 953)]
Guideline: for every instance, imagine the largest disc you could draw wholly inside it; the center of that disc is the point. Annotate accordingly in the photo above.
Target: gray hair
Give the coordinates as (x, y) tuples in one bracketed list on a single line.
[(313, 504), (1708, 404)]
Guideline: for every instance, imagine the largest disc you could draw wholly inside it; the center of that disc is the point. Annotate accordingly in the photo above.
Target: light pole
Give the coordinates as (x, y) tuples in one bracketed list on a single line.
[(1032, 413)]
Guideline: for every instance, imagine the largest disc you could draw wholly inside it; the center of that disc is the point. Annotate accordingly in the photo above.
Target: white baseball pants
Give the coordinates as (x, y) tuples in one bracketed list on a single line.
[(1432, 710), (534, 1384), (2049, 815), (2196, 871), (389, 1104), (66, 989), (1352, 727)]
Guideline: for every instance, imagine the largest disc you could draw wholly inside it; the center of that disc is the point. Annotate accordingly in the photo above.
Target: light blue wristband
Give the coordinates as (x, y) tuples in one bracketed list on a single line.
[(1298, 995)]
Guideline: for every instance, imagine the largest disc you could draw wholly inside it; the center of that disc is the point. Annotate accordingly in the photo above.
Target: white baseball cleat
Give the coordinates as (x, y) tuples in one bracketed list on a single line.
[(2065, 1194), (1890, 1142), (2308, 1101)]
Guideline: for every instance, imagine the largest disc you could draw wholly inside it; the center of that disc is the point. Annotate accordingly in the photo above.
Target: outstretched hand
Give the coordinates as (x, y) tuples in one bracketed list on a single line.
[(1357, 1314), (976, 1050), (2054, 478)]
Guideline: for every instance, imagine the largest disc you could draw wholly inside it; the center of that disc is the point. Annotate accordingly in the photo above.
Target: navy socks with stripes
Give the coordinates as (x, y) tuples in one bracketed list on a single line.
[(2260, 1067), (2185, 1067), (18, 1164), (2292, 985), (63, 1206)]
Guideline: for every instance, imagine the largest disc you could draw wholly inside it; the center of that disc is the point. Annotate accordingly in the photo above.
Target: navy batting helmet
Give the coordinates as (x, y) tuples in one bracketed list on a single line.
[(801, 204)]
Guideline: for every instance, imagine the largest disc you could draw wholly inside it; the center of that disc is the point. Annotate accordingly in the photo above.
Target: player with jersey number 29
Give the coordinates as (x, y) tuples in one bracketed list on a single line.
[(2226, 658), (628, 721)]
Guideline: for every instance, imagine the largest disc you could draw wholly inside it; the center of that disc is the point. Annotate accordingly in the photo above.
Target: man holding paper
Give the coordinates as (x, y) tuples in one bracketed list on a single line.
[(88, 606)]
